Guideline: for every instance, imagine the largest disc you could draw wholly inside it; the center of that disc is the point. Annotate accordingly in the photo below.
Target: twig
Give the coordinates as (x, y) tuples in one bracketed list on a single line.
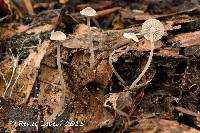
[(13, 71), (6, 17), (4, 78), (28, 6), (106, 12), (25, 64)]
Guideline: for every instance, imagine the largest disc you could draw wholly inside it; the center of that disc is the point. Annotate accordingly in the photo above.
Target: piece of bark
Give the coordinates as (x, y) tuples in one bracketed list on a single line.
[(187, 39), (153, 125), (28, 73)]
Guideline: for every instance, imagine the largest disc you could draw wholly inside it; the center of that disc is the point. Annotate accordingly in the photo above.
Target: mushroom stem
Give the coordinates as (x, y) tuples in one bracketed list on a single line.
[(92, 58), (62, 82), (63, 86), (113, 69), (147, 65), (88, 21), (111, 65)]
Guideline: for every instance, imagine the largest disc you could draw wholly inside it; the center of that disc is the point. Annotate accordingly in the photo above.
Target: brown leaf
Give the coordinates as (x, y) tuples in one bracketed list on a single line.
[(49, 95), (43, 28), (103, 73), (93, 115), (97, 6), (29, 72)]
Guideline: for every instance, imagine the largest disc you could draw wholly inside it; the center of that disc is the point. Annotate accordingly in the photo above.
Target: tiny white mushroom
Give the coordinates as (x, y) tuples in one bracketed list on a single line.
[(88, 12), (153, 30), (57, 36), (131, 36), (153, 27)]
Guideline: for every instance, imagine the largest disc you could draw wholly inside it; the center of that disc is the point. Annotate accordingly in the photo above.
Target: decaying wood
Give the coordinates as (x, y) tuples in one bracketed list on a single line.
[(170, 84), (28, 72)]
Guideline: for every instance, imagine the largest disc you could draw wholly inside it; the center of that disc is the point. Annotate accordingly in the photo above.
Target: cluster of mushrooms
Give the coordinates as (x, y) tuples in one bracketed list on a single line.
[(152, 30)]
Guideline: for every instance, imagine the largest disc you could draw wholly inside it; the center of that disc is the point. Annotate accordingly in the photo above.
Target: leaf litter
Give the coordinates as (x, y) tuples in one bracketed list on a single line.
[(170, 86)]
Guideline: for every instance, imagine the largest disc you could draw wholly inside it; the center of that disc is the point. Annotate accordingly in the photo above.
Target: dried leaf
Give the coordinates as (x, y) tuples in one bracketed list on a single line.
[(30, 67)]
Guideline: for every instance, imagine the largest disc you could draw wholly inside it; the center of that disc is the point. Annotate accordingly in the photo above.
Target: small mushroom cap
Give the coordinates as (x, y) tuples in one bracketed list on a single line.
[(88, 11), (153, 26), (57, 36), (131, 36)]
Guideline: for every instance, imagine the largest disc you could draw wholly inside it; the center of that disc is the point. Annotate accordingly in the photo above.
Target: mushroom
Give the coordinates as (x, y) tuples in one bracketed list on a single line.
[(153, 30), (111, 61), (58, 36), (88, 12), (131, 36)]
